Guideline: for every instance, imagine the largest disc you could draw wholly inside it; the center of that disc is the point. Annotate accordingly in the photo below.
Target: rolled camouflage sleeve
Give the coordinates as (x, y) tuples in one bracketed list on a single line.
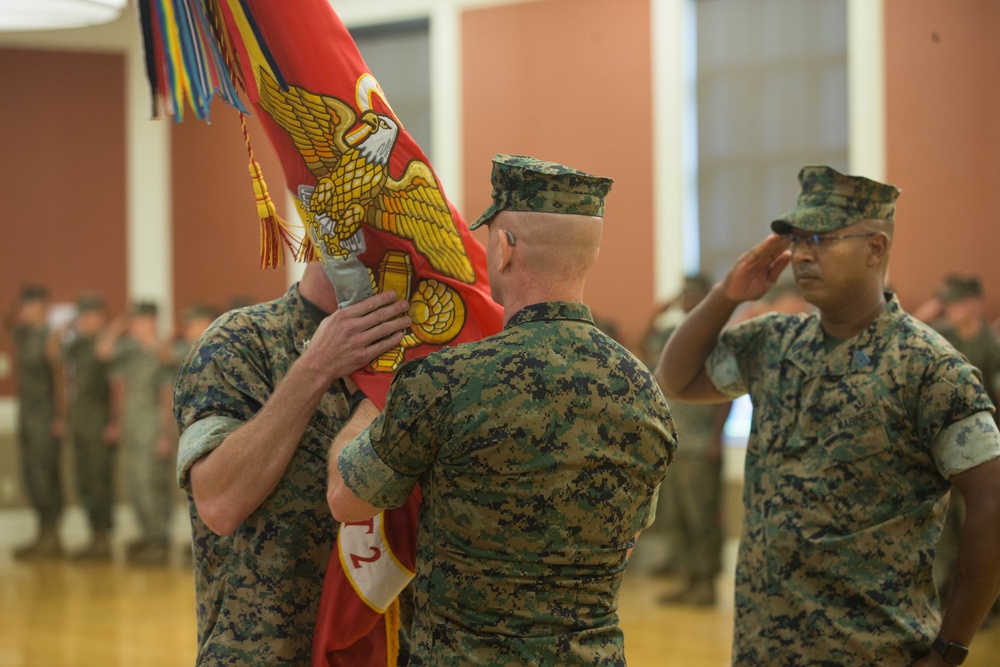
[(724, 371), (737, 350), (951, 390), (199, 439), (219, 388), (369, 477), (383, 464), (966, 444)]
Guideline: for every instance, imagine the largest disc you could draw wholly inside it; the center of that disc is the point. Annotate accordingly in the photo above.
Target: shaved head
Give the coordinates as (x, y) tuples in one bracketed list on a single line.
[(554, 246), (536, 257)]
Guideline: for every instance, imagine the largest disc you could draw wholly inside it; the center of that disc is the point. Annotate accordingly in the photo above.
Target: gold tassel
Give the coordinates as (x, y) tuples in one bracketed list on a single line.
[(273, 230)]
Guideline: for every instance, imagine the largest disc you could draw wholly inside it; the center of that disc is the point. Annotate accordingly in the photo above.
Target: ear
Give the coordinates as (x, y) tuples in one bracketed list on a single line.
[(506, 250), (878, 248)]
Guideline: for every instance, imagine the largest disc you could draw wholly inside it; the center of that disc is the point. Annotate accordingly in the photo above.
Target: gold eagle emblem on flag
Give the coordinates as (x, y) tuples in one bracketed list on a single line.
[(354, 186)]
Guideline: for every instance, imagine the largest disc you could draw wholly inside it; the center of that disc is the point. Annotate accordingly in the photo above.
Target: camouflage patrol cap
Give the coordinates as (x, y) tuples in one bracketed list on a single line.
[(200, 311), (34, 292), (141, 308), (89, 301), (957, 287), (522, 183), (830, 200)]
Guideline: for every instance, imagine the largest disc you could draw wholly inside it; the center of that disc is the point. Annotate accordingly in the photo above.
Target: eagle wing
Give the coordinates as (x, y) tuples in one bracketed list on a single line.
[(415, 209), (316, 123)]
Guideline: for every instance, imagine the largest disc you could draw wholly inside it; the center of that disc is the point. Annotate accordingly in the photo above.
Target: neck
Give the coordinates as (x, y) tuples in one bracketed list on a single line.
[(316, 287), (530, 297), (854, 319)]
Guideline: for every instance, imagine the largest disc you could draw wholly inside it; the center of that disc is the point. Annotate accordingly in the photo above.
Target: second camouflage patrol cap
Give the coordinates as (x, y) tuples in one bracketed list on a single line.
[(140, 308), (89, 301), (830, 200), (523, 183), (957, 287), (34, 292)]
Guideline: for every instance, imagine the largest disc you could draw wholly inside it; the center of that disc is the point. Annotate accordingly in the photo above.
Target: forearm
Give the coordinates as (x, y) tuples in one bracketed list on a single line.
[(683, 359), (234, 479), (977, 575), (344, 505)]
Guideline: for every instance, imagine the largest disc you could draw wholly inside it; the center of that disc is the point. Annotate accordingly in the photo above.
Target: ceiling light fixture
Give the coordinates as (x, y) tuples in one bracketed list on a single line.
[(54, 14)]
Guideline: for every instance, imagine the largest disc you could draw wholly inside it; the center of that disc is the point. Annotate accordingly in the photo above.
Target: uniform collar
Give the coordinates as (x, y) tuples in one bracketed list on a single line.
[(856, 355), (554, 310)]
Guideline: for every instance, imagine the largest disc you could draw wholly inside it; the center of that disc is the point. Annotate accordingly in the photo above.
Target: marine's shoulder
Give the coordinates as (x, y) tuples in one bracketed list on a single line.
[(913, 337), (254, 321)]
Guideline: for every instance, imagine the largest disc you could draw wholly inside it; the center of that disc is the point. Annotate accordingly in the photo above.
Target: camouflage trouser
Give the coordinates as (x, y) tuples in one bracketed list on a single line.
[(149, 483), (40, 464), (94, 461), (689, 512)]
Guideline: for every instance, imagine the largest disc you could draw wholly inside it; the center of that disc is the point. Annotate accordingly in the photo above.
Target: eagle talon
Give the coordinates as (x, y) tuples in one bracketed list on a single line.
[(355, 244)]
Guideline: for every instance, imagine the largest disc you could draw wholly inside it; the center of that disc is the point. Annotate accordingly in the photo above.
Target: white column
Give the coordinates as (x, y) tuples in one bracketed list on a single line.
[(446, 99), (667, 24), (866, 87), (149, 253)]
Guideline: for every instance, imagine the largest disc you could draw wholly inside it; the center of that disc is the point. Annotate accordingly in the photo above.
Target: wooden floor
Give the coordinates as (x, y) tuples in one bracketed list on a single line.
[(63, 614)]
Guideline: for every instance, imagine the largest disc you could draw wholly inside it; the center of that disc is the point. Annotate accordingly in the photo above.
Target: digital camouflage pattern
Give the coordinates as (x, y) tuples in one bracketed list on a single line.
[(830, 200), (148, 477), (538, 452), (39, 450), (522, 183), (89, 410), (258, 590), (846, 484)]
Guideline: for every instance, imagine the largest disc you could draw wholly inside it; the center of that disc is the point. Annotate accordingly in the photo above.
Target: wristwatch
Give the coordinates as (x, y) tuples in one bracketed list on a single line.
[(951, 652)]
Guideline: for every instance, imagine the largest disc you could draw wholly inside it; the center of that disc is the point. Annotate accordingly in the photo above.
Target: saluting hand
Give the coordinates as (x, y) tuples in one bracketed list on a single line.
[(756, 271)]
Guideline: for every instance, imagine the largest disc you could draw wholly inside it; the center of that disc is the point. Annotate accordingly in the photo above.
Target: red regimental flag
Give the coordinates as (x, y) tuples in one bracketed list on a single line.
[(366, 192), (373, 211)]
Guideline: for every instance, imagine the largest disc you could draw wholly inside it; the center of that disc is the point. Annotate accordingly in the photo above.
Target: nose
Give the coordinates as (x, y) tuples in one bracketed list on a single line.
[(802, 251)]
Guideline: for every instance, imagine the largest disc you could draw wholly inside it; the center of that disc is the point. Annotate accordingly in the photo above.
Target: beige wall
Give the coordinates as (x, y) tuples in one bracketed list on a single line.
[(569, 81), (943, 142)]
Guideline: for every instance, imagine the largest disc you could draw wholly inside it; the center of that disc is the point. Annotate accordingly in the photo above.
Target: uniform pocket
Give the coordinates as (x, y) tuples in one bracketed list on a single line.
[(857, 473)]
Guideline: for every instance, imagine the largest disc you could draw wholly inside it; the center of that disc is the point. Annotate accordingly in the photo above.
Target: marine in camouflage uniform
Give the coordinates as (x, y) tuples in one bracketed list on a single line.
[(258, 586), (689, 503), (689, 506), (89, 396), (538, 452), (961, 300), (38, 447), (859, 425), (149, 476)]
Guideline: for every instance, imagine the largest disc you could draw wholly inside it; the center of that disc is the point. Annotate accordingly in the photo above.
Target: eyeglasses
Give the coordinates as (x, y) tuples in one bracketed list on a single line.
[(814, 240)]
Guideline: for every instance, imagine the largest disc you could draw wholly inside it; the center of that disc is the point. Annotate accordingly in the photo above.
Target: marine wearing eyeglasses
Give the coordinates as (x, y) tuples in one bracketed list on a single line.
[(863, 421)]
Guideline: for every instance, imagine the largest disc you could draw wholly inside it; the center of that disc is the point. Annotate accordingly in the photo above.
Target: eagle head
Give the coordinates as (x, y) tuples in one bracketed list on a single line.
[(377, 146)]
